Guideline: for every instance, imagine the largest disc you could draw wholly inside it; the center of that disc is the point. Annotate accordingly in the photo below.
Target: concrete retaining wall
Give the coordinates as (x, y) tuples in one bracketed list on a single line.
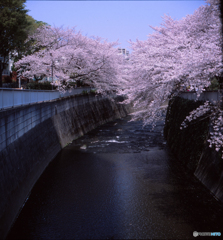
[(31, 136), (190, 146), (210, 172)]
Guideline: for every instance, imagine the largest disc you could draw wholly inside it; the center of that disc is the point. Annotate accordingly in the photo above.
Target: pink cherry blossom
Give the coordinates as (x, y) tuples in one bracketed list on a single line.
[(178, 53), (73, 55)]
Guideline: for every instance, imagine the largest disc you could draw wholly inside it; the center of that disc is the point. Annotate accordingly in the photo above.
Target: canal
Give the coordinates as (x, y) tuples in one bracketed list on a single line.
[(119, 181)]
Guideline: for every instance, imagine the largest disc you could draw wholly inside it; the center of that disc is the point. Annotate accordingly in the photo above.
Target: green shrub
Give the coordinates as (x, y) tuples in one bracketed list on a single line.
[(93, 91), (214, 85), (72, 84), (7, 79), (84, 92), (40, 86)]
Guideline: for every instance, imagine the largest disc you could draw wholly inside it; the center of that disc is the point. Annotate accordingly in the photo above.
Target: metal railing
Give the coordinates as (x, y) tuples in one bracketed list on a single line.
[(211, 96), (17, 97)]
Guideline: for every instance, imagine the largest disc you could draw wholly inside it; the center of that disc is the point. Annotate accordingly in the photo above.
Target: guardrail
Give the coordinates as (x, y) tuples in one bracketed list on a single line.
[(17, 97), (211, 96)]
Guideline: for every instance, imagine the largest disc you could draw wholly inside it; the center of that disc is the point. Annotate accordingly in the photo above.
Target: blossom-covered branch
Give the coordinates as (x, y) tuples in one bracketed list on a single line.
[(180, 52), (73, 56)]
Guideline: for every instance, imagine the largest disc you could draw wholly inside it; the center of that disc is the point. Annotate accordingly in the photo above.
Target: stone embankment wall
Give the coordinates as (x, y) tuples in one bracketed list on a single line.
[(190, 145), (31, 136)]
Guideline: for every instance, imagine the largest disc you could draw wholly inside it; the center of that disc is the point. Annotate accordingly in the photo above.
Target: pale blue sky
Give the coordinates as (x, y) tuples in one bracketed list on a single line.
[(112, 20)]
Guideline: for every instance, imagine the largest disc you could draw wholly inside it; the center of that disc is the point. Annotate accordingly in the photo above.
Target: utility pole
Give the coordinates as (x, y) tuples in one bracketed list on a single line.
[(52, 73)]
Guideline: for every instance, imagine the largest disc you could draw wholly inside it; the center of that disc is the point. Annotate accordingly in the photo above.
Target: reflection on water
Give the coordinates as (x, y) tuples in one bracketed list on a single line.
[(118, 181)]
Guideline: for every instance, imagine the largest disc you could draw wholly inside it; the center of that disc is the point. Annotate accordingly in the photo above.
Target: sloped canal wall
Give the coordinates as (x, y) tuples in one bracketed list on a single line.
[(190, 145), (32, 135)]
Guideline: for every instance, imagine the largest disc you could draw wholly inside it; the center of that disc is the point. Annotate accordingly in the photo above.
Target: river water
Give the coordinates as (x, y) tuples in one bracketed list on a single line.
[(119, 181)]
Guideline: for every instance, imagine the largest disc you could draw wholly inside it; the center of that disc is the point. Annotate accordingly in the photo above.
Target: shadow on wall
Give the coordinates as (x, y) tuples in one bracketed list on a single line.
[(33, 135), (190, 145)]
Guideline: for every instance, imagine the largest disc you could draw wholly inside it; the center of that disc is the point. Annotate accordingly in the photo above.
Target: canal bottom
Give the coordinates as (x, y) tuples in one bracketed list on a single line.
[(119, 181)]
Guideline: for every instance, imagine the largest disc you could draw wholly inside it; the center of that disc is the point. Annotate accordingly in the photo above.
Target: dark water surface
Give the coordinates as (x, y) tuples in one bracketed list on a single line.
[(118, 181)]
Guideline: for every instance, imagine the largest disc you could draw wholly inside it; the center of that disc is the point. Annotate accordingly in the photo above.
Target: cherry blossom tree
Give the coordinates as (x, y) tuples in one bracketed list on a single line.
[(74, 57), (186, 51), (178, 53)]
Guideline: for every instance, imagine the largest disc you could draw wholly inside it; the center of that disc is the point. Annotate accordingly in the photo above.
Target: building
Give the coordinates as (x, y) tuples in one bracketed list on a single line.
[(124, 52)]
